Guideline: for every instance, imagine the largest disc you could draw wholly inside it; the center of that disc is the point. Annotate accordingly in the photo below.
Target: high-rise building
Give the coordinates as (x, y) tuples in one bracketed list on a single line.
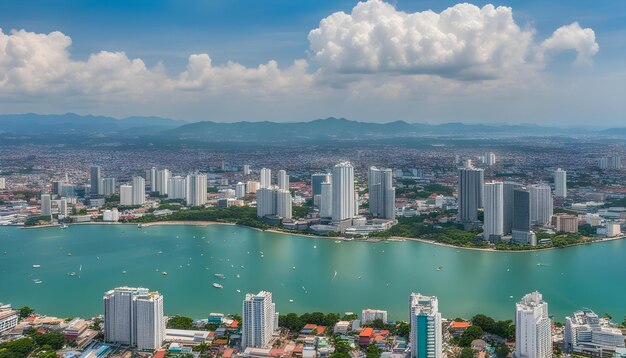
[(134, 317), (259, 315), (265, 178), (274, 201), (508, 196), (252, 186), (177, 188), (490, 159), (426, 337), (565, 223), (240, 190), (126, 195), (533, 331), (139, 190), (520, 228), (344, 203), (68, 190), (326, 199), (541, 206), (162, 181), (493, 228), (246, 169), (382, 194), (46, 205), (196, 189), (560, 183), (56, 186), (370, 315), (316, 183), (470, 193), (63, 207), (283, 180), (591, 335), (95, 174), (3, 183), (151, 178), (283, 204), (107, 186)]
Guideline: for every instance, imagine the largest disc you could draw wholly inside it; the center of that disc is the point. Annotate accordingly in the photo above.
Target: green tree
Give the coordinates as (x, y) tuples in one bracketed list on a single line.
[(26, 311), (466, 352), (55, 340), (47, 354), (470, 334), (202, 348), (180, 322), (19, 347), (373, 351)]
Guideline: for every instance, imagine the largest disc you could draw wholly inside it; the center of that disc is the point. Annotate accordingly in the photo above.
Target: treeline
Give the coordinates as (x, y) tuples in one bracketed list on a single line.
[(241, 215), (45, 343), (295, 323)]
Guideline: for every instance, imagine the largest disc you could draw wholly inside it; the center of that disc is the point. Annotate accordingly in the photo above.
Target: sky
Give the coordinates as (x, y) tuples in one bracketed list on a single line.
[(559, 62)]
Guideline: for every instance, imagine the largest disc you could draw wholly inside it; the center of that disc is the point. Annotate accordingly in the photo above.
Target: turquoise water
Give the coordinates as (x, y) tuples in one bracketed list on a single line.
[(470, 282)]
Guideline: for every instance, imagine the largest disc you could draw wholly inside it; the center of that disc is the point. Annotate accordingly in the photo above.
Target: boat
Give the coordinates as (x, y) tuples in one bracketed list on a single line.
[(36, 266), (337, 241), (72, 274), (98, 258), (159, 253), (315, 246), (63, 226), (37, 281), (335, 275), (219, 275), (139, 226), (217, 285), (69, 254), (238, 291), (293, 268), (440, 268), (360, 277), (238, 276), (164, 273), (124, 271), (290, 301)]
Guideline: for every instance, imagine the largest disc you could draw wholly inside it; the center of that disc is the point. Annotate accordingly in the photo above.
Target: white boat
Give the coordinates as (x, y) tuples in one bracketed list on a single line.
[(238, 276), (164, 273), (290, 301), (159, 253), (440, 268), (124, 271), (217, 285), (63, 226), (238, 291), (37, 281), (72, 274), (219, 275), (36, 266), (69, 254), (293, 268)]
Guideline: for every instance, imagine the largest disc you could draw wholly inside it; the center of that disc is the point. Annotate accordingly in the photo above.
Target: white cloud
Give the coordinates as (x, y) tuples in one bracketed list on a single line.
[(573, 37)]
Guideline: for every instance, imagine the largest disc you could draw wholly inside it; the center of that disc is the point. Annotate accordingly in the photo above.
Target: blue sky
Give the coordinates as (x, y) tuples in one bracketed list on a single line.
[(555, 89)]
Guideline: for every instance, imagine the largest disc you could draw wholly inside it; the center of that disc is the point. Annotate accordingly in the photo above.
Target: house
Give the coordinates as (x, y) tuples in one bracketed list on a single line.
[(366, 336), (456, 329)]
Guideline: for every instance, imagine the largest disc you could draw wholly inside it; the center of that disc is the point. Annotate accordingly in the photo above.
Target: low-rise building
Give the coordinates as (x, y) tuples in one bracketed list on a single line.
[(587, 333), (8, 318)]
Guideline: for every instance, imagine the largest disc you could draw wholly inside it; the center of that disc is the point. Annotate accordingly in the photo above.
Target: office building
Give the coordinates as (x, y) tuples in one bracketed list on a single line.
[(316, 183), (46, 205), (151, 179), (259, 315), (541, 206), (470, 193), (326, 198), (560, 183), (344, 203), (252, 186), (382, 194), (68, 190), (126, 195), (265, 178), (426, 334), (565, 223), (283, 180), (177, 188), (139, 190), (246, 169), (240, 190), (162, 181), (196, 189), (134, 317), (508, 196), (533, 332), (493, 228), (95, 174), (588, 334), (520, 228), (56, 186), (107, 186), (370, 315)]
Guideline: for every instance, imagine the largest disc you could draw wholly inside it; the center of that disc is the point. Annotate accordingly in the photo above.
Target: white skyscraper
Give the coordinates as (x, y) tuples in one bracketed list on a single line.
[(533, 332), (3, 184), (258, 320), (382, 194), (283, 180), (46, 205), (344, 204), (426, 333), (490, 159), (126, 195), (246, 169), (196, 189), (283, 203), (326, 201), (541, 206), (151, 178), (63, 206), (266, 178), (107, 186), (470, 193), (240, 190), (177, 188), (493, 228), (273, 201), (139, 190), (134, 317), (162, 180), (560, 183)]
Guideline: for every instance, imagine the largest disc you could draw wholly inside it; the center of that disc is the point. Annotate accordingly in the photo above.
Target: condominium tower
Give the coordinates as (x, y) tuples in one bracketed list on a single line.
[(259, 315), (426, 333), (493, 228), (533, 332), (344, 199), (95, 174), (560, 183), (382, 194), (470, 193)]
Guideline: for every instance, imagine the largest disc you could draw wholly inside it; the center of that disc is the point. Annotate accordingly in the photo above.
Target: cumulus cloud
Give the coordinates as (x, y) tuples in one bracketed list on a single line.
[(573, 37)]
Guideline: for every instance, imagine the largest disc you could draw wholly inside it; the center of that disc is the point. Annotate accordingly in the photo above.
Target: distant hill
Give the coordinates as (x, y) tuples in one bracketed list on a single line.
[(89, 129)]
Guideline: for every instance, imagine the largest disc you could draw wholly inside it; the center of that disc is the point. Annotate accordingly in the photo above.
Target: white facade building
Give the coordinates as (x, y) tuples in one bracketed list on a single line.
[(560, 183), (274, 201), (326, 199), (162, 181), (490, 159), (46, 205), (426, 337), (252, 186), (151, 178), (177, 188), (283, 204), (587, 333), (265, 178), (8, 318), (370, 315), (533, 328), (382, 194), (493, 228), (259, 314), (283, 180), (246, 169), (344, 203), (196, 189), (240, 190), (3, 184), (107, 186), (111, 215), (541, 205), (139, 190), (134, 317), (126, 195)]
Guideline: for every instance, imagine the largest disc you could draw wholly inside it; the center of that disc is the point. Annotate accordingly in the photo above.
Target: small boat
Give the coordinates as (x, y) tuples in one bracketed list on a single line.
[(219, 275), (337, 241), (238, 291), (72, 274), (164, 273), (159, 253), (69, 254), (315, 246), (36, 266), (156, 270), (124, 271), (510, 296), (63, 226), (238, 276), (98, 258), (293, 268), (217, 285), (37, 281), (440, 268), (139, 226), (290, 301), (360, 277)]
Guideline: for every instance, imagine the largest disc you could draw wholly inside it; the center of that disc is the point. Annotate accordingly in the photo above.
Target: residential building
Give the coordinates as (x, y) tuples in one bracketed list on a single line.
[(370, 315), (265, 178), (274, 202), (426, 336), (259, 316), (520, 228), (126, 195), (343, 201), (508, 196), (139, 190), (316, 183), (382, 194), (541, 205), (490, 159), (283, 180), (252, 186), (107, 186), (246, 169), (46, 205), (240, 190), (151, 178), (177, 188), (560, 183), (533, 328), (493, 228), (95, 174), (588, 334), (162, 181), (3, 183), (196, 189), (326, 198), (470, 193), (565, 223), (8, 318)]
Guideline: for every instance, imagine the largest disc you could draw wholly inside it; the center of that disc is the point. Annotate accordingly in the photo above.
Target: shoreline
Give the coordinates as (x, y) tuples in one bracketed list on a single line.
[(311, 236)]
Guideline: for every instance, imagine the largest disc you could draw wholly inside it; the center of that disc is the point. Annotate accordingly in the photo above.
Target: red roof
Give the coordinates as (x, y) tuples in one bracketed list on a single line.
[(159, 354), (228, 353), (367, 332), (459, 325), (310, 326), (321, 329), (235, 324)]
